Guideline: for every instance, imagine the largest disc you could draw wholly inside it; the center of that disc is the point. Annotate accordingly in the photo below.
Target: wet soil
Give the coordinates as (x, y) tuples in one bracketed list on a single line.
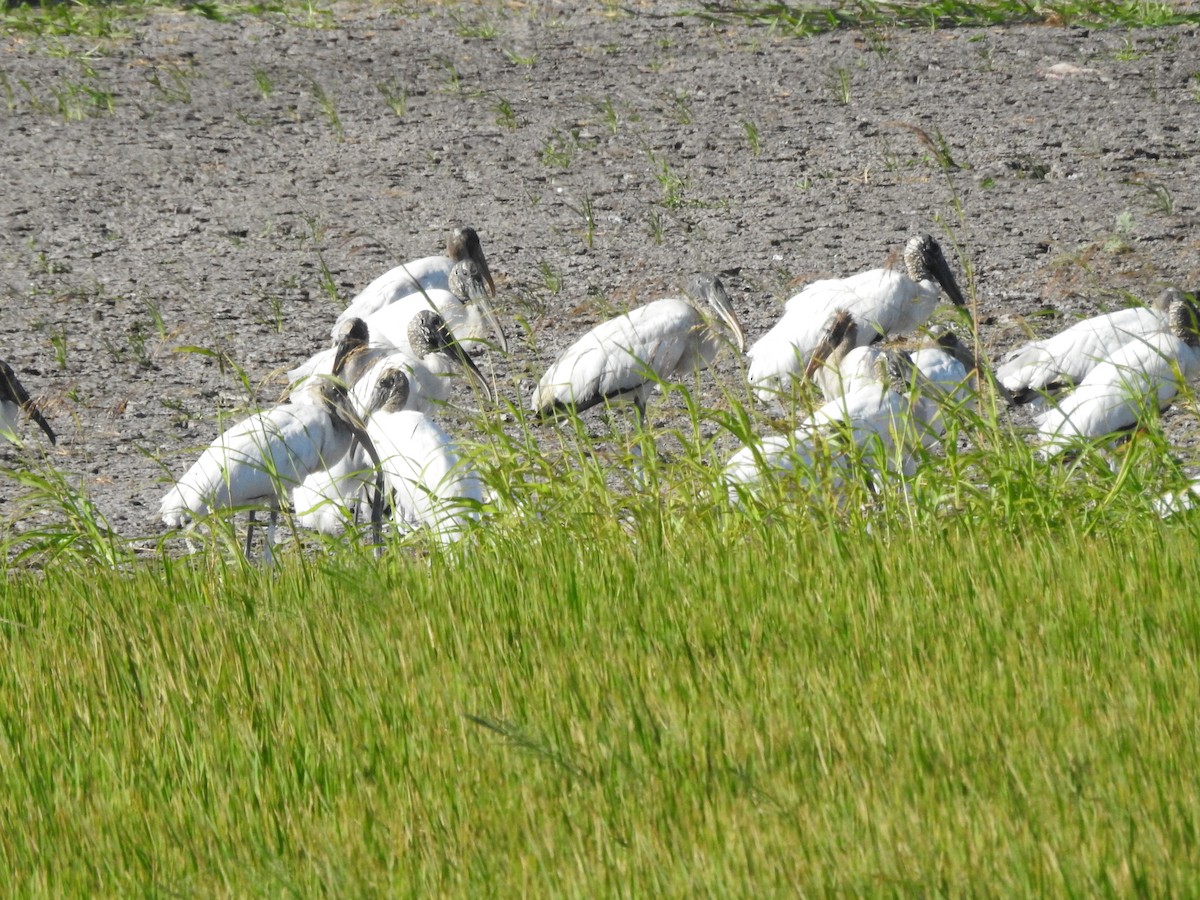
[(186, 205)]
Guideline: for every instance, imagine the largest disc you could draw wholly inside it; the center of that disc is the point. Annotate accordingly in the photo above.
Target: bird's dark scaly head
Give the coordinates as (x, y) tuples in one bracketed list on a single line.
[(428, 333), (707, 294), (350, 337), (391, 390), (924, 260), (464, 244), (840, 334), (1184, 319)]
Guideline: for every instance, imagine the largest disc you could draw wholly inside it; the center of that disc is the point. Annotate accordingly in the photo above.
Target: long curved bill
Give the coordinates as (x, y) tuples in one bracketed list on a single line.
[(464, 242), (940, 270), (470, 282), (709, 289), (454, 350)]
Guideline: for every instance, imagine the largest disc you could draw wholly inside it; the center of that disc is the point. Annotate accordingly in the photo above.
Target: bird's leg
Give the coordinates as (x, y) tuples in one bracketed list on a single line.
[(249, 535), (269, 541), (639, 469), (377, 512)]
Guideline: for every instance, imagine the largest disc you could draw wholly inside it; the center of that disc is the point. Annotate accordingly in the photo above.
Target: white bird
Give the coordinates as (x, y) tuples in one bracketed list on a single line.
[(257, 461), (623, 359), (430, 485), (1142, 374), (428, 272), (868, 431), (468, 320), (1174, 503), (839, 365), (327, 501), (14, 400), (884, 302), (1047, 365), (434, 355)]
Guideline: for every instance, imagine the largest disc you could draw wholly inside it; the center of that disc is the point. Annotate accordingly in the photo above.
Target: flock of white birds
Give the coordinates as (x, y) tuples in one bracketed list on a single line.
[(357, 437)]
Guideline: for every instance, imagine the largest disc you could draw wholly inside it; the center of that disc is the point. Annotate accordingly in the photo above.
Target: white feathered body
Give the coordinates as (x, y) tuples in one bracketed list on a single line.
[(329, 500), (431, 486), (428, 273), (874, 423), (1070, 355), (259, 459), (882, 301), (1117, 393), (466, 321), (612, 361)]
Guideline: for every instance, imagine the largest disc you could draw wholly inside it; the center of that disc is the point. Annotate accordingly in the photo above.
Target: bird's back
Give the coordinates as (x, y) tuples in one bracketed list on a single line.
[(620, 356), (429, 272)]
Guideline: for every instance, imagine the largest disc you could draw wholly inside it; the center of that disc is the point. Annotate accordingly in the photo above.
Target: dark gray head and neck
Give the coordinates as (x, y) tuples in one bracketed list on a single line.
[(837, 339), (391, 391), (468, 284), (351, 340), (1183, 317), (428, 334), (464, 244), (707, 295), (924, 261)]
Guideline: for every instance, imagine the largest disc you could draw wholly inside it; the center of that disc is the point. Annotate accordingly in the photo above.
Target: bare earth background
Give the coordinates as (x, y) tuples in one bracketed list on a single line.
[(204, 184)]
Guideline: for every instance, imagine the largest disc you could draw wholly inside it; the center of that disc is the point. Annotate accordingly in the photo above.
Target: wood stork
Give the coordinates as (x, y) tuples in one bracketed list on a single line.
[(884, 302), (869, 430), (428, 272), (623, 359), (327, 501), (14, 400), (839, 365), (468, 320), (430, 485), (1047, 366), (1142, 374), (257, 461), (434, 354)]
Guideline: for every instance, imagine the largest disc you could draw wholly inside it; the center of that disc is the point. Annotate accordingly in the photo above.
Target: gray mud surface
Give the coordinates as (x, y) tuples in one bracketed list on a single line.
[(201, 184)]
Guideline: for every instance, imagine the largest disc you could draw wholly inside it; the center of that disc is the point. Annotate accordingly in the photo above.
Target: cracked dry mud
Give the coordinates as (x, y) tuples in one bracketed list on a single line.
[(200, 184)]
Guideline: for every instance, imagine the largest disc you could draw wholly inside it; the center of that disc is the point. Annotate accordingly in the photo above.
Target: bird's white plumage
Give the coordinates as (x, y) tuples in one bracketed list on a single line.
[(466, 321), (432, 487), (874, 425), (621, 358), (882, 302), (427, 273), (1139, 376), (327, 501), (624, 358), (430, 380), (1067, 357), (431, 273), (257, 461)]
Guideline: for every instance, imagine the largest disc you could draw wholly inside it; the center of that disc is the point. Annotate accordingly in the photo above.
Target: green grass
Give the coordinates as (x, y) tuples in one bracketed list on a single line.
[(987, 680), (807, 19), (115, 21)]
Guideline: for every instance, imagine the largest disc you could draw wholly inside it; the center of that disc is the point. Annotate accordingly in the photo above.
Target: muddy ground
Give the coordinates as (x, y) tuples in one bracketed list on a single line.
[(229, 185)]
